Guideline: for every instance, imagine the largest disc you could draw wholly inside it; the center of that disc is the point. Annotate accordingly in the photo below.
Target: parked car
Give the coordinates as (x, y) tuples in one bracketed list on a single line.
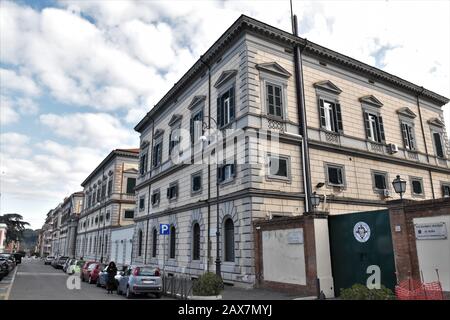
[(94, 272), (103, 277), (140, 280), (67, 263), (49, 259), (86, 270), (76, 267), (58, 263), (10, 260), (4, 269)]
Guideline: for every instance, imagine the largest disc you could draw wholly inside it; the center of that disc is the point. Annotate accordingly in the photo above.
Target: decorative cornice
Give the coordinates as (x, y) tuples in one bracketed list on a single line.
[(175, 118), (371, 100), (436, 122), (274, 68), (328, 86), (250, 25), (407, 112), (195, 101), (224, 77)]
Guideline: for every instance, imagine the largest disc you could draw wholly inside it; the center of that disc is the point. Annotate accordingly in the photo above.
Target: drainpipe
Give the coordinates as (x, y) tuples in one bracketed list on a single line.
[(424, 140), (149, 197), (303, 127), (209, 167)]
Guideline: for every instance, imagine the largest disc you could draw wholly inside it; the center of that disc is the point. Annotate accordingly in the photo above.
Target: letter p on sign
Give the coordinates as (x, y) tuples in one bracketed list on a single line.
[(164, 229)]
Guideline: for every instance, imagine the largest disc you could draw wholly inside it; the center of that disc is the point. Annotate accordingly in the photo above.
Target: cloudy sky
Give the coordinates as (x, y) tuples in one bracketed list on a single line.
[(76, 76)]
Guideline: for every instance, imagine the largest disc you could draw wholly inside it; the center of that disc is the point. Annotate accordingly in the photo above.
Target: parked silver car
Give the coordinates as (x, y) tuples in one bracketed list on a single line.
[(140, 280)]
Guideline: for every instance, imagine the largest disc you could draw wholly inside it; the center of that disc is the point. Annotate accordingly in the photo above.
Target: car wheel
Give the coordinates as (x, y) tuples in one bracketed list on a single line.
[(158, 295), (128, 293)]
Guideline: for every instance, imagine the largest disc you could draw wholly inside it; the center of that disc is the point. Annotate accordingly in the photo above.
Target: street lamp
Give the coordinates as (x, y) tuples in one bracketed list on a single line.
[(399, 185), (315, 200), (204, 139)]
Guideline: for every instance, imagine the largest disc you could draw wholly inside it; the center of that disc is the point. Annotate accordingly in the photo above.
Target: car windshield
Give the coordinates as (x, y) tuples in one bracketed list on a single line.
[(146, 271), (91, 266)]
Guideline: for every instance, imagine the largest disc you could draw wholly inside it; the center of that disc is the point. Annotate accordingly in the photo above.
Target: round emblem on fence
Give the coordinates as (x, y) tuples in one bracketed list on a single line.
[(361, 231)]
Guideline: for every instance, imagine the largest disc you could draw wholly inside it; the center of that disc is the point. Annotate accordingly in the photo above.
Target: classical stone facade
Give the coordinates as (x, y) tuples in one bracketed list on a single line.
[(364, 127), (109, 202), (70, 211)]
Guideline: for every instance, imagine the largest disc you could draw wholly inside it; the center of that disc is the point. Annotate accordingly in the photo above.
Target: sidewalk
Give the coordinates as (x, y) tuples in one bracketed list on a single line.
[(236, 293)]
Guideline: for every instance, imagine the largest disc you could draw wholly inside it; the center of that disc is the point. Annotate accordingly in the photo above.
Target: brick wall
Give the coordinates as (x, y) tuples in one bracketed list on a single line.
[(401, 214)]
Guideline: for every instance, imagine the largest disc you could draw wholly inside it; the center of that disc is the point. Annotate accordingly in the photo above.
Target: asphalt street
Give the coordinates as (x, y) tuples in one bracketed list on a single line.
[(36, 281)]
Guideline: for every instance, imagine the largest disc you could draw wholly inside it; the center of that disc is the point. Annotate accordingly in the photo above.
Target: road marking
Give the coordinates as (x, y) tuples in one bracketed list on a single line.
[(12, 283), (40, 274)]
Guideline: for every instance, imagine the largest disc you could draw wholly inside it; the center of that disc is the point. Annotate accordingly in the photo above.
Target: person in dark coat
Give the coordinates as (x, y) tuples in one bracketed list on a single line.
[(111, 280)]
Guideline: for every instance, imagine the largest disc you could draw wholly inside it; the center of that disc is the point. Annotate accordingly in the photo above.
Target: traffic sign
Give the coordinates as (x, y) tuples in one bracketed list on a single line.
[(164, 229)]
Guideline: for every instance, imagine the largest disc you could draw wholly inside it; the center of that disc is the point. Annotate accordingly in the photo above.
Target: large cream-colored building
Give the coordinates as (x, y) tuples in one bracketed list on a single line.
[(109, 202), (365, 127)]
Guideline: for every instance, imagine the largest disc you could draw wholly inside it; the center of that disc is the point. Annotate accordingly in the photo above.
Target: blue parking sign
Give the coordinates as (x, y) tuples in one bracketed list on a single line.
[(164, 229)]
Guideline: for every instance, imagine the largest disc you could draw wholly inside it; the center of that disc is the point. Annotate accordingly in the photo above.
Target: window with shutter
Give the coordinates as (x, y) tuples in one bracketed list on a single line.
[(196, 242), (131, 183), (408, 136), (438, 144), (379, 181), (226, 108), (416, 186), (154, 242), (274, 99), (173, 241), (335, 175)]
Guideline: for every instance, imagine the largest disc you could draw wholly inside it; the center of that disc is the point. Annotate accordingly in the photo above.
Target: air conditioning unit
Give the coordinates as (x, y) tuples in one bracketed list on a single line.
[(393, 148), (386, 193)]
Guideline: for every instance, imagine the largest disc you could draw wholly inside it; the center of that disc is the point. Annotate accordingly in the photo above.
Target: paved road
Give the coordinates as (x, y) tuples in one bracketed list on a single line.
[(36, 281)]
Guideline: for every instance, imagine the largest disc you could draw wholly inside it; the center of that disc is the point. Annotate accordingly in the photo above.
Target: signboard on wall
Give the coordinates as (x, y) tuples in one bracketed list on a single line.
[(431, 231), (295, 237)]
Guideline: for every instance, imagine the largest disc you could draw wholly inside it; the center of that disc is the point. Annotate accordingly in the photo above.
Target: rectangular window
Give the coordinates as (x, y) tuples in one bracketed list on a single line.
[(274, 100), (446, 190), (129, 214), (438, 146), (110, 186), (225, 108), (174, 139), (330, 116), (196, 129), (172, 191), (409, 139), (278, 166), (141, 203), (143, 163), (335, 175), (157, 154), (155, 198), (374, 127), (196, 182), (131, 183), (226, 172), (379, 180), (416, 186)]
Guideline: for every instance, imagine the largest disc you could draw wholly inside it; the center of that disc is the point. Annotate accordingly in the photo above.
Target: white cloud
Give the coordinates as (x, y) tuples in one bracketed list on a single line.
[(10, 80), (11, 109), (97, 130), (16, 144)]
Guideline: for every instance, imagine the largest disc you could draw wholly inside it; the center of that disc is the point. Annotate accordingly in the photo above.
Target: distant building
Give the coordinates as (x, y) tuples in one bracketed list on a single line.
[(70, 212), (109, 202)]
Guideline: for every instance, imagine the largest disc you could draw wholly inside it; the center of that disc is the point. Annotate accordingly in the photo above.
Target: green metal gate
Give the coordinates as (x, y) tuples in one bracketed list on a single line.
[(357, 241)]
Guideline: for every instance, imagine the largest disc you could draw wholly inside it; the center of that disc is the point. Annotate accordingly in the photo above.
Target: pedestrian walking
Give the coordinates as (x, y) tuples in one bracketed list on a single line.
[(111, 282)]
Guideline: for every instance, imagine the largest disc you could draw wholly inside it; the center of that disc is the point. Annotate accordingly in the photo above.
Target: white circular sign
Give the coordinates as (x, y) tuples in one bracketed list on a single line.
[(361, 231)]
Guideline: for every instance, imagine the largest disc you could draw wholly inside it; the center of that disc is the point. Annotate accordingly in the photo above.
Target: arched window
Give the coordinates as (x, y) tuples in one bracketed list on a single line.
[(140, 243), (106, 244), (172, 242), (196, 242), (95, 245), (155, 242), (229, 240)]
